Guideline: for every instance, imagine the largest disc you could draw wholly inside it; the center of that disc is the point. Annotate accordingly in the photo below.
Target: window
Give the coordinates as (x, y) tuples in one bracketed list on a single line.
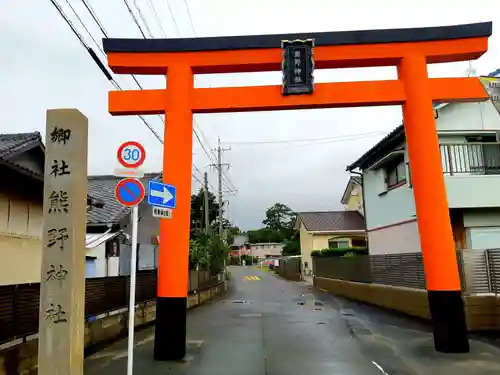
[(358, 243), (396, 174), (338, 244)]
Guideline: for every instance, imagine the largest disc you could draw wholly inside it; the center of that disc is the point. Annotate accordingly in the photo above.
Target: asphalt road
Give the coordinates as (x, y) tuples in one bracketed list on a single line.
[(269, 326)]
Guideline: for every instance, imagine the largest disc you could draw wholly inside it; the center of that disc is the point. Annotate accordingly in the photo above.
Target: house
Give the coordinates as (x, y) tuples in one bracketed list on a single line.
[(352, 199), (22, 158), (266, 250), (469, 135), (329, 229), (109, 231)]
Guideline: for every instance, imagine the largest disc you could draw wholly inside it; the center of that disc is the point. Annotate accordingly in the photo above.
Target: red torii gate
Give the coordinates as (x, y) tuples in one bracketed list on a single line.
[(408, 49)]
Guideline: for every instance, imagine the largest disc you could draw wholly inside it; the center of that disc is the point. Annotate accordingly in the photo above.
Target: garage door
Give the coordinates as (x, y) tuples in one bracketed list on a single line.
[(484, 238)]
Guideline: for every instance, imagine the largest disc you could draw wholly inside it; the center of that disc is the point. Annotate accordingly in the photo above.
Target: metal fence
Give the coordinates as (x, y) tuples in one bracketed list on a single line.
[(19, 304), (290, 268), (470, 158), (479, 270)]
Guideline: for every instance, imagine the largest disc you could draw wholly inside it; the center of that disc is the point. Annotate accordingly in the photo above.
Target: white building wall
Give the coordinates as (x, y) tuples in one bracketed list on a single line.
[(386, 208), (99, 252), (395, 239), (468, 117)]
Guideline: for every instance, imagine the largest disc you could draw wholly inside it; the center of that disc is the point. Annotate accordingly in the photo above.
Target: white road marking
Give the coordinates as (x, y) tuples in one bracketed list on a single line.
[(380, 368)]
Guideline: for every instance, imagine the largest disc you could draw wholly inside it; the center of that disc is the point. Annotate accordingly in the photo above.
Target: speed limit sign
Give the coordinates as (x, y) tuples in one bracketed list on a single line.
[(131, 154)]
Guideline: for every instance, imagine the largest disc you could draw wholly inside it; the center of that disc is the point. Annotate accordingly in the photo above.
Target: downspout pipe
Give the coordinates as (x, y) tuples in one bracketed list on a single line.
[(364, 204)]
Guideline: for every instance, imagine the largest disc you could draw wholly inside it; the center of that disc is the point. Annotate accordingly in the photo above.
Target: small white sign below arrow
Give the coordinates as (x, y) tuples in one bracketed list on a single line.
[(165, 194), (163, 213)]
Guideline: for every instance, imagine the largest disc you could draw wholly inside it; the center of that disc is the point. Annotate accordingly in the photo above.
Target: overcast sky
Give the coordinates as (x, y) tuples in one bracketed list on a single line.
[(43, 65)]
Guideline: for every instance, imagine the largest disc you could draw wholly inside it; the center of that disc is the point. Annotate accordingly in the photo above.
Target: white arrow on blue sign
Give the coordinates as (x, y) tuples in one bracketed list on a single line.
[(161, 195)]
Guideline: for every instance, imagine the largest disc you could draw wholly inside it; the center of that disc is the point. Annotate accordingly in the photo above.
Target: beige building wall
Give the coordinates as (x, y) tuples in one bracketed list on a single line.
[(310, 241), (355, 200), (262, 250), (20, 243), (306, 247)]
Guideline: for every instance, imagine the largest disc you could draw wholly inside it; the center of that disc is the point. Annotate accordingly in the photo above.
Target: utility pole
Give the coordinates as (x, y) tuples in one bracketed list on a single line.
[(205, 190), (219, 167)]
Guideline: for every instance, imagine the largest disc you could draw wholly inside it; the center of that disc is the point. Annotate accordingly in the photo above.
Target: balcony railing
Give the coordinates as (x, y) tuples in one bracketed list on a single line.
[(471, 158)]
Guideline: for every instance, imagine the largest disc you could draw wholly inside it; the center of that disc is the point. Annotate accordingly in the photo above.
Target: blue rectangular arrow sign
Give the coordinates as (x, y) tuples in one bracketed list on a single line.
[(161, 195)]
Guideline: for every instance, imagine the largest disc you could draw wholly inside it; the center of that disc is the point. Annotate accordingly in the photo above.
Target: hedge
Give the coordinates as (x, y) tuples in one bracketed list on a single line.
[(326, 253)]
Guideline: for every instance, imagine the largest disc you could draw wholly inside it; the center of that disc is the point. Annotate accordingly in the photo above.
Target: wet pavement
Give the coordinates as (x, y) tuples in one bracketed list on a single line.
[(265, 325)]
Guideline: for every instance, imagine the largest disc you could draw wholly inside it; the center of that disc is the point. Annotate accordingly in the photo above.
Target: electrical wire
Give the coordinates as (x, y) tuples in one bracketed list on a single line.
[(85, 27), (172, 16), (143, 19), (157, 18), (134, 18), (304, 139), (94, 16), (190, 18)]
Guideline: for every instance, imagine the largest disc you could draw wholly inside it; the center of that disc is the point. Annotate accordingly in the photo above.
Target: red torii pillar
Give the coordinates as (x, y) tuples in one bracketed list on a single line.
[(408, 49)]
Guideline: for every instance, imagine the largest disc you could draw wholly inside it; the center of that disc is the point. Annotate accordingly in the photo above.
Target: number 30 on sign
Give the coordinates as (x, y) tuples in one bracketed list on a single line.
[(131, 154)]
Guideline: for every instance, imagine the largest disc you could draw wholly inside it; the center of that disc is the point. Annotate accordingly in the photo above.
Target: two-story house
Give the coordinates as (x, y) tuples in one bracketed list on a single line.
[(22, 157), (469, 137), (352, 199), (328, 229)]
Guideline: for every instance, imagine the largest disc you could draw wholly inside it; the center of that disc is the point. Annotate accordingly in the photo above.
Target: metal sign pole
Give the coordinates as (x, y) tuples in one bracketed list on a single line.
[(133, 281)]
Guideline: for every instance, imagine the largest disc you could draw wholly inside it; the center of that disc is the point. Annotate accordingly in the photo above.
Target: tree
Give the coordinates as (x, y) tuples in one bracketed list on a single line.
[(264, 235), (292, 246), (198, 213), (199, 256), (281, 219)]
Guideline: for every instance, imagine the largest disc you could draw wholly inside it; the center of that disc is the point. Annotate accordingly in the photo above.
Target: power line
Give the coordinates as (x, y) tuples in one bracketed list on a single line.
[(70, 24), (85, 27), (172, 16), (94, 16), (305, 139), (190, 18), (134, 18), (157, 18), (143, 19)]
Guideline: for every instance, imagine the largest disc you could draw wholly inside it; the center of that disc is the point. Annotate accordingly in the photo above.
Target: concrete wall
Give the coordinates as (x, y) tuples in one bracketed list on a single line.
[(468, 117), (402, 237), (482, 312), (22, 359)]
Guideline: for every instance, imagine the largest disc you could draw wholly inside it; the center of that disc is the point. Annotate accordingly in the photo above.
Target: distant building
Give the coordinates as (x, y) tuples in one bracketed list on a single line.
[(266, 250), (329, 229), (240, 240), (352, 199)]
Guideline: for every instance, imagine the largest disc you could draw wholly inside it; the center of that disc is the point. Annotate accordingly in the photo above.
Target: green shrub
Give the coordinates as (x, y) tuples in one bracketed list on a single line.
[(348, 252)]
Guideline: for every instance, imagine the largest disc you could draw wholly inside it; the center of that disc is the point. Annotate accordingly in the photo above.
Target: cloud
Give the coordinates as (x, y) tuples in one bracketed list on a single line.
[(44, 66)]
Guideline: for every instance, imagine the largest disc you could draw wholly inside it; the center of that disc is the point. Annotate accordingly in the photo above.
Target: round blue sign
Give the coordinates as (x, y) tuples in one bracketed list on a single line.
[(129, 192)]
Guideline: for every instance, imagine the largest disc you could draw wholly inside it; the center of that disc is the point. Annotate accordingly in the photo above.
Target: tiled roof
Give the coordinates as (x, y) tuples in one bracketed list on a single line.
[(332, 221), (391, 140), (10, 143), (13, 144), (103, 188)]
